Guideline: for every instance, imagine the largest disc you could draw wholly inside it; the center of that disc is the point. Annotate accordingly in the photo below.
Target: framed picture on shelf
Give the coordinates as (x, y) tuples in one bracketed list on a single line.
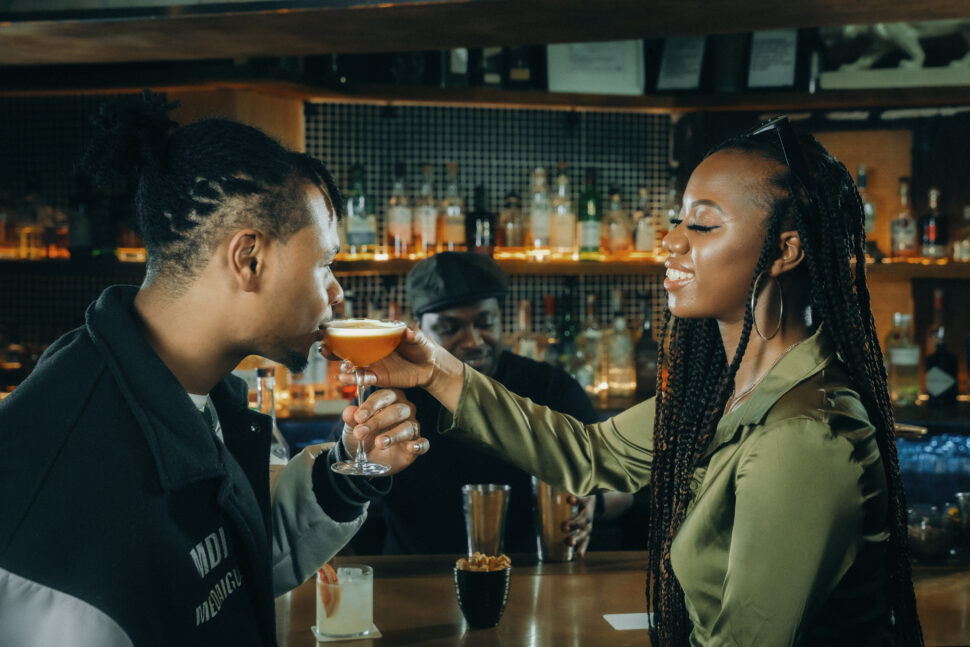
[(612, 67), (681, 63), (774, 56)]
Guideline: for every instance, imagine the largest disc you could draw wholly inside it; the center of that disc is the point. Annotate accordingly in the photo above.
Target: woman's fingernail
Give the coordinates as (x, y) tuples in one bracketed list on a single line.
[(363, 414), (364, 429), (385, 442)]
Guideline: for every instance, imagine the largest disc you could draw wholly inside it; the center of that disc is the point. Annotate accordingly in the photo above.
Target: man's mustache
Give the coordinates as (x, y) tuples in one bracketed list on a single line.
[(475, 355)]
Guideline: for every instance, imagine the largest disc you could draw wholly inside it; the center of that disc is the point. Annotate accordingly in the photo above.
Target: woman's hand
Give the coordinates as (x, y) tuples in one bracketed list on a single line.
[(418, 361), (581, 525), (387, 426)]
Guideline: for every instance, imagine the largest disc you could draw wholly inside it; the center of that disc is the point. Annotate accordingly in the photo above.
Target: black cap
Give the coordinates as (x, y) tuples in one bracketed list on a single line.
[(450, 279)]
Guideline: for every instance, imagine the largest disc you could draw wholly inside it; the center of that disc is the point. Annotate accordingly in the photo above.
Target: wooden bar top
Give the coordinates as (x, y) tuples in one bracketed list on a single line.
[(557, 604)]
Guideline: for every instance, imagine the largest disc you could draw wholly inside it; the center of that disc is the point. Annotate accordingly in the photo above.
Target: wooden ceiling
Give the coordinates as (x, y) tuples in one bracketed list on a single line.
[(363, 26)]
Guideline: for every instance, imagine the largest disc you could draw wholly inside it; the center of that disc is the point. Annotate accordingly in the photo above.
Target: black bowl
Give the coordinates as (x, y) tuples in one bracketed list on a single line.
[(482, 596)]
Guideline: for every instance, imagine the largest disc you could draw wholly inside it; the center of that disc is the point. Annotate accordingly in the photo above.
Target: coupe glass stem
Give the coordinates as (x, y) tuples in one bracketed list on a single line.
[(360, 459)]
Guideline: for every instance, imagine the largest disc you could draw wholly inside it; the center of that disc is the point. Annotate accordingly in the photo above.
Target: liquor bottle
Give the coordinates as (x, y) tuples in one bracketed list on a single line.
[(524, 342), (933, 228), (902, 361), (361, 223), (562, 235), (279, 449), (302, 391), (903, 227), (966, 351), (399, 226), (645, 355), (941, 365), (936, 321), (621, 378), (481, 225), (588, 370), (589, 220), (549, 349), (79, 219), (105, 207), (617, 232), (8, 225), (941, 373), (316, 372), (961, 239), (869, 209), (645, 227), (452, 223), (540, 213), (567, 331), (511, 234), (425, 216)]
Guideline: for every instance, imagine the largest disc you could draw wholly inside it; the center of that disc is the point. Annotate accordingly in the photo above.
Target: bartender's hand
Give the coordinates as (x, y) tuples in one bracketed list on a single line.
[(418, 361), (581, 525), (386, 423)]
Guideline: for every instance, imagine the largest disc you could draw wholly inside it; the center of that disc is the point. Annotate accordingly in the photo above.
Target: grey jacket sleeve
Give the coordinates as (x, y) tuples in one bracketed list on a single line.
[(304, 535), (34, 615)]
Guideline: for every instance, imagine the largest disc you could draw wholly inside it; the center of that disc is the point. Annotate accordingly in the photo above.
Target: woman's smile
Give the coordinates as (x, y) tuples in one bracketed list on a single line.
[(676, 277)]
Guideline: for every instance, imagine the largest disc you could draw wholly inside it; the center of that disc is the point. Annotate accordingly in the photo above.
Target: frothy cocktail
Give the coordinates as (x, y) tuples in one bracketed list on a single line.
[(364, 341)]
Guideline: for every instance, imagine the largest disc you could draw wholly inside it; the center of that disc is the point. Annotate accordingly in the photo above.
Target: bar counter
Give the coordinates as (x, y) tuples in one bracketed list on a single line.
[(560, 605)]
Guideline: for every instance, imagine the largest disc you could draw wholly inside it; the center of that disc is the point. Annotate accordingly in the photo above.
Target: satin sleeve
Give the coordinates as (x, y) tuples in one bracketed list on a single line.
[(614, 455)]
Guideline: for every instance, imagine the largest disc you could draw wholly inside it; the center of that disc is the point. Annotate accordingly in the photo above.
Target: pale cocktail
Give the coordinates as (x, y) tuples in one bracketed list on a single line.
[(345, 602), (363, 342)]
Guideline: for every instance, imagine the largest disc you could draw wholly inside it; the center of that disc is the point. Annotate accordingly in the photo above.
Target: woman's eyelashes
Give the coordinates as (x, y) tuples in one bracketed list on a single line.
[(674, 222)]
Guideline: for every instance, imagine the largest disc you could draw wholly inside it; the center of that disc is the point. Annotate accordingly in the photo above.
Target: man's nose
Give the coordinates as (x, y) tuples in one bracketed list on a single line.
[(470, 337)]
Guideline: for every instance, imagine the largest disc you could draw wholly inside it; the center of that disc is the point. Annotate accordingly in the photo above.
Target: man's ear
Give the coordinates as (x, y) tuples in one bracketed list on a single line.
[(246, 255), (791, 253)]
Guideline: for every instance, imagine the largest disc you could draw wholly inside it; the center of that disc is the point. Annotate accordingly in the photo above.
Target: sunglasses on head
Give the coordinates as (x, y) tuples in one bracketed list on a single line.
[(791, 150)]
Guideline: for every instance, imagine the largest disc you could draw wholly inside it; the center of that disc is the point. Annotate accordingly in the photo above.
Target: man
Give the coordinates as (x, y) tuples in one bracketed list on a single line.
[(455, 298), (135, 498)]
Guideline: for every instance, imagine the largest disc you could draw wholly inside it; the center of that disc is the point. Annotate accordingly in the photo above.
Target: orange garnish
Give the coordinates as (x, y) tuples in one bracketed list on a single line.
[(328, 590)]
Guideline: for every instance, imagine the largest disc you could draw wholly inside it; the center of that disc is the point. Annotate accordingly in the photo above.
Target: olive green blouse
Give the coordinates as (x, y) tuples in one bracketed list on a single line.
[(782, 543)]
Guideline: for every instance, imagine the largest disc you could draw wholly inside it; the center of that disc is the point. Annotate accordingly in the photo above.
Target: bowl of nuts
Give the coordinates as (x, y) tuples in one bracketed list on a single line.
[(482, 585)]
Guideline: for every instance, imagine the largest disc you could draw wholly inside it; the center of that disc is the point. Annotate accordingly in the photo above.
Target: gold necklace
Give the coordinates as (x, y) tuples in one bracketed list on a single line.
[(736, 399)]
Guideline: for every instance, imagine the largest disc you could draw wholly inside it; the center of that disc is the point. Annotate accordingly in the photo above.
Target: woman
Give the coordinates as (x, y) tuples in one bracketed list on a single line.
[(777, 513)]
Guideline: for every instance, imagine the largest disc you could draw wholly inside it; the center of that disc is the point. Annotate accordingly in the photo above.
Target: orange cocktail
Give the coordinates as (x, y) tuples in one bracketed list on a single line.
[(364, 341)]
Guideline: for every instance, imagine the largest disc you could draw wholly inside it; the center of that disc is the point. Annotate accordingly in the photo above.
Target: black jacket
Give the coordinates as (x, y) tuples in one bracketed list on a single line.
[(123, 520)]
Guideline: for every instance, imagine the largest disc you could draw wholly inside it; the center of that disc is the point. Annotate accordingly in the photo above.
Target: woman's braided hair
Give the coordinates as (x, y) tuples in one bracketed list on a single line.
[(699, 379), (193, 185)]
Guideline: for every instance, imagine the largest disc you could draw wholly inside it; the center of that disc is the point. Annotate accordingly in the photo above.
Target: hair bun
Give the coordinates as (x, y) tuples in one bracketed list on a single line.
[(130, 135)]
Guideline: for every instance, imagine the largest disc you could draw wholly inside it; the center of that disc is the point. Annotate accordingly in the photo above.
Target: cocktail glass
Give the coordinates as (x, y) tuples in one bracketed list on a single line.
[(363, 342)]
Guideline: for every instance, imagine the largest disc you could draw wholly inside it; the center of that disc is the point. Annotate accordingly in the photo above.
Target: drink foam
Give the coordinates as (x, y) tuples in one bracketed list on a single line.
[(363, 328)]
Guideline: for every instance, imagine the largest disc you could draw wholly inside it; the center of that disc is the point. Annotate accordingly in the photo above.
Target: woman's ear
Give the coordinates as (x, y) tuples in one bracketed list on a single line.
[(791, 253), (246, 253)]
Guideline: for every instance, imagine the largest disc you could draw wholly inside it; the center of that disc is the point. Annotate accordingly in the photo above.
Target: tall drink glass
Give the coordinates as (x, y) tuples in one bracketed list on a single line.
[(363, 342)]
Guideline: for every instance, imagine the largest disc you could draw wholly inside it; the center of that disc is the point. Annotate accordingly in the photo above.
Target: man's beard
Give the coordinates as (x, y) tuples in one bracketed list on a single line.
[(295, 363)]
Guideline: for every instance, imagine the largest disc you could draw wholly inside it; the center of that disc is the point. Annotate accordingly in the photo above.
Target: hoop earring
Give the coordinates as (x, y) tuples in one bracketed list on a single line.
[(781, 310)]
